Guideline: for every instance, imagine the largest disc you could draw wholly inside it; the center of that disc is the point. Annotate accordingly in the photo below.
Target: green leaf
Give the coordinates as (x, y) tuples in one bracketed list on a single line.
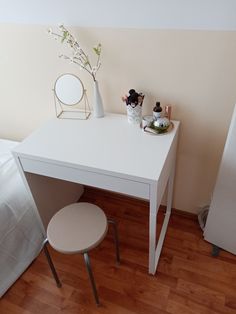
[(65, 34), (97, 49)]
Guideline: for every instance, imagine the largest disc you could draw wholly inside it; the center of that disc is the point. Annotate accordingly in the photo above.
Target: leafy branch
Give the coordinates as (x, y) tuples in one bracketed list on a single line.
[(79, 56)]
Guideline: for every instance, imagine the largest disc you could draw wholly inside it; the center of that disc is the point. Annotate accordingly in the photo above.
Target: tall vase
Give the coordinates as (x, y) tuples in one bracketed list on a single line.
[(98, 111)]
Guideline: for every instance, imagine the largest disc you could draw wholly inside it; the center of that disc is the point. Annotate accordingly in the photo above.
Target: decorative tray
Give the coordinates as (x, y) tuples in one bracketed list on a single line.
[(158, 131)]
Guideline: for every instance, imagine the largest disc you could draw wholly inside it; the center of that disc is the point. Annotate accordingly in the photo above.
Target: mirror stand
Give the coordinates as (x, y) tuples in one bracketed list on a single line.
[(70, 97), (65, 112)]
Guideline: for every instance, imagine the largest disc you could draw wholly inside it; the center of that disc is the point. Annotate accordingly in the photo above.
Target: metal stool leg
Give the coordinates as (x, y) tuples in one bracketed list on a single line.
[(53, 270), (116, 239), (88, 266)]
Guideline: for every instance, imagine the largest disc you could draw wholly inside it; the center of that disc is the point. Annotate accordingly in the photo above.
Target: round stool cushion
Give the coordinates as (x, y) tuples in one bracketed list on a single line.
[(77, 228)]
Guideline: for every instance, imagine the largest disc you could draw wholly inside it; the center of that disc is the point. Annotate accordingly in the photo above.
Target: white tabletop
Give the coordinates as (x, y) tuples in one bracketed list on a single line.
[(109, 145)]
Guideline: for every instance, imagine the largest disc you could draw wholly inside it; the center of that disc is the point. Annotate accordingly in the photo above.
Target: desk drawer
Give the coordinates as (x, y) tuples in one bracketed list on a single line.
[(107, 182)]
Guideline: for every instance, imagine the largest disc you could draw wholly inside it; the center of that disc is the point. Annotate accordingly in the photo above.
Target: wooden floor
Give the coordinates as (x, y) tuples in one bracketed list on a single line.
[(188, 279)]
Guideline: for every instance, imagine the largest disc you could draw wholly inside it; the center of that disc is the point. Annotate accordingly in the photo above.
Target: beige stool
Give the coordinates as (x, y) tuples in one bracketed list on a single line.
[(78, 228)]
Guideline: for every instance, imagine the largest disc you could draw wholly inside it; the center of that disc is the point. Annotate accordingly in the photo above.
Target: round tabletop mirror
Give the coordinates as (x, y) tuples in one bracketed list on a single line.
[(69, 89)]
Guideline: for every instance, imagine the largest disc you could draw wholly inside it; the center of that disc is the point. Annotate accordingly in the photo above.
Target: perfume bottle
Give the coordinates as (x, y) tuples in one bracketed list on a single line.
[(167, 111)]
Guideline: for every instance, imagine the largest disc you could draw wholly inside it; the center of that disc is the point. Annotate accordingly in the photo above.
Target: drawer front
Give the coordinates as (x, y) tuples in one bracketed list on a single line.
[(107, 182)]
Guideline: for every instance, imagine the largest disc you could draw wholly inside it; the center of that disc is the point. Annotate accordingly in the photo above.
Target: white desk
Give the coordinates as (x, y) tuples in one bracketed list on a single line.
[(107, 153)]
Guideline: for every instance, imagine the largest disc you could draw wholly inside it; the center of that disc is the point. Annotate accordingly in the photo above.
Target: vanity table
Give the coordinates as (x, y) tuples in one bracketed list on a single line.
[(106, 153)]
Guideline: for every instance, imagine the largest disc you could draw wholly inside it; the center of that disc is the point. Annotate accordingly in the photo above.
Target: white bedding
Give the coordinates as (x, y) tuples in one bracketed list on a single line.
[(21, 238)]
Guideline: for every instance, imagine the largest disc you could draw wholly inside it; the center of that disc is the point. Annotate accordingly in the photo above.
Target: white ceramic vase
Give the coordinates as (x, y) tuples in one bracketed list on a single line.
[(98, 111)]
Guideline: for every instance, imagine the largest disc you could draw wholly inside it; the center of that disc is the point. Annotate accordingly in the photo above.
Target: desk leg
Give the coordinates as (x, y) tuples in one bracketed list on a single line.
[(152, 243), (155, 248), (170, 188), (152, 228)]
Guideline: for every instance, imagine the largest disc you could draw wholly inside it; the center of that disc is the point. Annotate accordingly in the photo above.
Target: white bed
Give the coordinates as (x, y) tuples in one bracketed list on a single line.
[(21, 237)]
